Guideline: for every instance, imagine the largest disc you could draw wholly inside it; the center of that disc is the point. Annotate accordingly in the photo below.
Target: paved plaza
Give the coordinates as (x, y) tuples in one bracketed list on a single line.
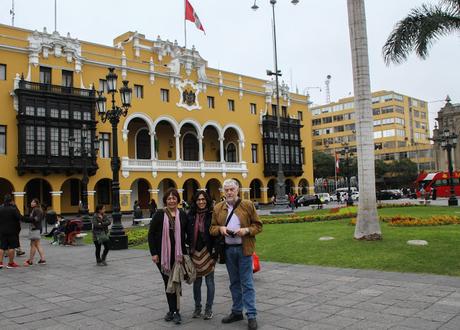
[(71, 292)]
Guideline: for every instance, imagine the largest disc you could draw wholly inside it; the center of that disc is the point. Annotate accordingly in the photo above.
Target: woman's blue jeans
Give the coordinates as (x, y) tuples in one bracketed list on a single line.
[(209, 279)]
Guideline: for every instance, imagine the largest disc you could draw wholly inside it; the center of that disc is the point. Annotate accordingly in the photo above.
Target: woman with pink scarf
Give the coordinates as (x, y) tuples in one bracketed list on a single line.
[(167, 244)]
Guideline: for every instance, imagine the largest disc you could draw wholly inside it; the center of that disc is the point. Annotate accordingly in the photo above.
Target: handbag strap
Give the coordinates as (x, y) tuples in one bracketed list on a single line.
[(231, 213)]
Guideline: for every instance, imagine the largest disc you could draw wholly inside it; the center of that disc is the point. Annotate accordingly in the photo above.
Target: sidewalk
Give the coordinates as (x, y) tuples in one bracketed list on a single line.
[(71, 292)]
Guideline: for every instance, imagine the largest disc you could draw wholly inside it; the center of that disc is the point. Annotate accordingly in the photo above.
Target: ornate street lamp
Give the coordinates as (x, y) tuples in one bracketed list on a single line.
[(118, 237), (448, 142), (85, 151), (280, 190), (347, 154)]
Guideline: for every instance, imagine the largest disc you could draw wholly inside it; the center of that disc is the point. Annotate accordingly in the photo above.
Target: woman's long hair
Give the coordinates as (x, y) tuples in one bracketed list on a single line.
[(194, 207)]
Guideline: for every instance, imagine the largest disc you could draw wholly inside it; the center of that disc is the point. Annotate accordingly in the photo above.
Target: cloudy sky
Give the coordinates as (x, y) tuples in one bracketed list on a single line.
[(312, 39)]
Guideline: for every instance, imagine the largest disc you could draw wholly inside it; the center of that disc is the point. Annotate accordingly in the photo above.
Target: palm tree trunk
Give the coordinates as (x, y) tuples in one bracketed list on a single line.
[(367, 226)]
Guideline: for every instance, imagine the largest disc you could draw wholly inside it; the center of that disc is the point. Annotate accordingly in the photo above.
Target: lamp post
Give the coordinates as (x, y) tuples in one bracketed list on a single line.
[(118, 237), (448, 142), (280, 190), (85, 151), (347, 154)]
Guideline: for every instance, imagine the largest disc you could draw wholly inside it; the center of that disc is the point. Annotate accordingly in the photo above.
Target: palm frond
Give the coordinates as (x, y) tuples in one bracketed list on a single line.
[(420, 29)]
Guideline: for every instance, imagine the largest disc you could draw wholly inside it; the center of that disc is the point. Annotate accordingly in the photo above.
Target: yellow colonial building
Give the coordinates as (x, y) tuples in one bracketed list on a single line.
[(400, 127), (190, 126)]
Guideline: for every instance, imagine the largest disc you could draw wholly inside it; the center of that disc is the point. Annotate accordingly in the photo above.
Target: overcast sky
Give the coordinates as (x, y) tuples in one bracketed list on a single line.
[(312, 39)]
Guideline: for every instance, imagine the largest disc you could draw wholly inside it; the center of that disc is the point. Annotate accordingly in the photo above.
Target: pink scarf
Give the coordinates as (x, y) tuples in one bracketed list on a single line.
[(166, 242)]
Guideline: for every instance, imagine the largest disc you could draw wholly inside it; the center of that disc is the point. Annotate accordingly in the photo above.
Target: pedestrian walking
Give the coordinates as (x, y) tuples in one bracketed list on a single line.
[(35, 227), (238, 222), (434, 193), (101, 223), (9, 231), (167, 245), (202, 250)]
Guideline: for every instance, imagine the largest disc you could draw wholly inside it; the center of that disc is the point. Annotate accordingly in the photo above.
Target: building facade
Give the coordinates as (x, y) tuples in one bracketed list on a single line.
[(400, 128), (448, 118), (190, 126)]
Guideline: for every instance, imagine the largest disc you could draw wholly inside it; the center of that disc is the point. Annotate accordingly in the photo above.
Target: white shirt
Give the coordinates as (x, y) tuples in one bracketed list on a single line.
[(233, 225)]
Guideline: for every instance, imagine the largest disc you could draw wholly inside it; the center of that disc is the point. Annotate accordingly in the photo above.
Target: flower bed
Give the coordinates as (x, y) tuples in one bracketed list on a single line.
[(308, 218), (407, 221)]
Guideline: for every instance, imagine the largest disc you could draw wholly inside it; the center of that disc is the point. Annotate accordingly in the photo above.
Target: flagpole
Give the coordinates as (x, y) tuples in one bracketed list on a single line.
[(185, 24), (55, 15)]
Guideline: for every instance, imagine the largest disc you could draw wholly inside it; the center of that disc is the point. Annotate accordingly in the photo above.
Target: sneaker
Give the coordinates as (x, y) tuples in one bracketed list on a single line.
[(104, 263), (208, 314), (12, 265), (1, 264), (176, 318), (99, 263), (196, 313), (28, 263), (232, 318), (252, 324), (169, 316), (20, 253), (41, 262)]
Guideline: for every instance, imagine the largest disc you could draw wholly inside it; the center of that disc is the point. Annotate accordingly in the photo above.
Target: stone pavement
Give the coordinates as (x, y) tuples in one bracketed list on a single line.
[(71, 292)]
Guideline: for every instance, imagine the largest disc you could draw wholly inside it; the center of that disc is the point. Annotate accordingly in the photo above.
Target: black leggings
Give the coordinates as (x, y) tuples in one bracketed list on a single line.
[(98, 250), (171, 297)]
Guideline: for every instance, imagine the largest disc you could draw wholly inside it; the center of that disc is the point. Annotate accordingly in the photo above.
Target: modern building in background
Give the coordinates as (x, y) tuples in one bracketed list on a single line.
[(190, 126), (400, 128), (448, 118)]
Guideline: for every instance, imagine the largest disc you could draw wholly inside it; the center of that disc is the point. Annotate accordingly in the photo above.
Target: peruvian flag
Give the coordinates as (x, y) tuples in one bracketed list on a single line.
[(337, 163), (190, 15)]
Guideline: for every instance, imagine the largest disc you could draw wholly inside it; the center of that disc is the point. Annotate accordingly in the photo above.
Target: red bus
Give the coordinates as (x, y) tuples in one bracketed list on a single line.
[(440, 180)]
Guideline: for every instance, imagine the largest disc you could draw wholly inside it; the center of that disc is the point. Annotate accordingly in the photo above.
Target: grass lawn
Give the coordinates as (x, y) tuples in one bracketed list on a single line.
[(299, 243)]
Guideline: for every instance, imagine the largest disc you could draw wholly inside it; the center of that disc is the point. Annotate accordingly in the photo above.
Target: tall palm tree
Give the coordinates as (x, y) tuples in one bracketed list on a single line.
[(367, 226), (418, 31)]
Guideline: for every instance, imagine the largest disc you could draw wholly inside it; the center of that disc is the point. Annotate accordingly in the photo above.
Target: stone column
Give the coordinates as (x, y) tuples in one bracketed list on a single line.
[(240, 151), (264, 195), (56, 201), (152, 145), (181, 194), (177, 136), (125, 200), (19, 200), (91, 201), (200, 148), (221, 142)]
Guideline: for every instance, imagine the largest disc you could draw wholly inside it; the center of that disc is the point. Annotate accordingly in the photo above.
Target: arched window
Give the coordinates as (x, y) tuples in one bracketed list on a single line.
[(230, 155), (190, 147), (143, 144)]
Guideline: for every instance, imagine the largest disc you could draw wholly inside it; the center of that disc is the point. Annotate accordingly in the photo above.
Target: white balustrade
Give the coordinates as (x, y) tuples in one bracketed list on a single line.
[(147, 165)]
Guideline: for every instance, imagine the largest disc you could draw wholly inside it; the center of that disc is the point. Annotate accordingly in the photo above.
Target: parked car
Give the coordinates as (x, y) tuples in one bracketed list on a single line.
[(305, 200), (324, 197), (355, 195), (388, 194)]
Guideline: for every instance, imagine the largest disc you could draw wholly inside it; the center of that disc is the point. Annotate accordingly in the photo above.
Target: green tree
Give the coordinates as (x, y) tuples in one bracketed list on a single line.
[(323, 165), (402, 173), (367, 225), (418, 31), (381, 168)]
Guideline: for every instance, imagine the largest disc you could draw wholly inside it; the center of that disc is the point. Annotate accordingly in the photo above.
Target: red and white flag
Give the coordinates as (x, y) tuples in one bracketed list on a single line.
[(337, 163), (190, 15)]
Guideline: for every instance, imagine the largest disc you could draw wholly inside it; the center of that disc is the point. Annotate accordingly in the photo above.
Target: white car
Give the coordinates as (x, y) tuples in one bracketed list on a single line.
[(324, 197)]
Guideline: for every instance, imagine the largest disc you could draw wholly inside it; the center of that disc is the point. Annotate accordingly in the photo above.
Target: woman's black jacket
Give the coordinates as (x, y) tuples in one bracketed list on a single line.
[(156, 230), (208, 239)]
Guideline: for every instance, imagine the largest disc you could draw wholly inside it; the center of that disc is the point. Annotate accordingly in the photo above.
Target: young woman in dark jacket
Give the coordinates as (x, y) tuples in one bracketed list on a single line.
[(35, 220), (167, 238), (101, 225), (202, 250)]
